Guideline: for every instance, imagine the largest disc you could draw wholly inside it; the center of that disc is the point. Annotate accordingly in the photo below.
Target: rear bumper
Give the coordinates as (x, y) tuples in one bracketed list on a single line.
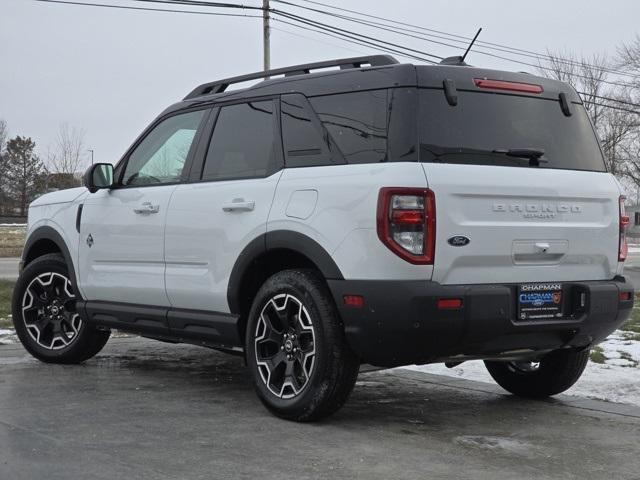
[(400, 322)]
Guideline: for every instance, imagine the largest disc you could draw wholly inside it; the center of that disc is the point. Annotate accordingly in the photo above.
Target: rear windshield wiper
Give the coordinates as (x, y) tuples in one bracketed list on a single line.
[(533, 154)]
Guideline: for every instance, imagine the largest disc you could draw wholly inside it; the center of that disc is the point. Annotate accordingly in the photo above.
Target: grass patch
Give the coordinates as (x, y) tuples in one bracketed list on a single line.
[(597, 355), (627, 356), (635, 337), (633, 324), (11, 241), (6, 288)]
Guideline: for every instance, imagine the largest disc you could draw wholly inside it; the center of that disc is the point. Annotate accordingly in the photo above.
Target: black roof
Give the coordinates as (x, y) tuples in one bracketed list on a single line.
[(363, 73)]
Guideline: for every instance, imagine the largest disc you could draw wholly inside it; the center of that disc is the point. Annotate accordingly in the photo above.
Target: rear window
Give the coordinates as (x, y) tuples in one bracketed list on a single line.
[(482, 123)]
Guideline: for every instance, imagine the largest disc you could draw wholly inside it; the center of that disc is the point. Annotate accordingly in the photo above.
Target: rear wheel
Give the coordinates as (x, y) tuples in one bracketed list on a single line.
[(302, 367), (45, 316), (552, 374)]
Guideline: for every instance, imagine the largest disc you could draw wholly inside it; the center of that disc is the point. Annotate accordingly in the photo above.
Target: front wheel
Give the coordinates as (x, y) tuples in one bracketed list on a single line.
[(552, 374), (302, 367), (45, 316)]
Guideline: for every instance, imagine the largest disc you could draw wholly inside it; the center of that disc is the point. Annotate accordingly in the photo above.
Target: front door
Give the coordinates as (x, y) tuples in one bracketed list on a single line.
[(121, 250)]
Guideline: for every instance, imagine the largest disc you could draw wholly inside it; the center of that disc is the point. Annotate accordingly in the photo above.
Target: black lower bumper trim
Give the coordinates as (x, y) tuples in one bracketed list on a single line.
[(400, 322)]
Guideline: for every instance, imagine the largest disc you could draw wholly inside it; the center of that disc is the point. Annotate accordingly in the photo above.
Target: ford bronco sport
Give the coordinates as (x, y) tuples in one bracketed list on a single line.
[(338, 213)]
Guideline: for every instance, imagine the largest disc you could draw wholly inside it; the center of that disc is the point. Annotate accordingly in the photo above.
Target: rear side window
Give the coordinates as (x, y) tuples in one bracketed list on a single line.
[(481, 123), (242, 144), (302, 135), (357, 123)]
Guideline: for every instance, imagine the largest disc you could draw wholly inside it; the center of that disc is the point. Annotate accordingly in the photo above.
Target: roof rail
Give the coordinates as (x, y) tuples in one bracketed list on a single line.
[(344, 63)]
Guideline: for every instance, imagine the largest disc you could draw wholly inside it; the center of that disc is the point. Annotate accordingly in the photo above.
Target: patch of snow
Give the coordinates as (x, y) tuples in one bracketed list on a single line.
[(617, 380), (8, 336)]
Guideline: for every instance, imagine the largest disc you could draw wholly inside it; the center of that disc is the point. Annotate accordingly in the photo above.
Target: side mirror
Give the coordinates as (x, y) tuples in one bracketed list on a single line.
[(98, 176)]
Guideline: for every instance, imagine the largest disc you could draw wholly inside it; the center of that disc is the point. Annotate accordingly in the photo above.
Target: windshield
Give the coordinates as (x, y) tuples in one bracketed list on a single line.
[(483, 126)]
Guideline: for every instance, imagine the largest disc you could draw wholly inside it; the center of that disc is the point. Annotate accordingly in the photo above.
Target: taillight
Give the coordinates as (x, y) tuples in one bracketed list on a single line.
[(624, 221), (508, 86), (407, 223)]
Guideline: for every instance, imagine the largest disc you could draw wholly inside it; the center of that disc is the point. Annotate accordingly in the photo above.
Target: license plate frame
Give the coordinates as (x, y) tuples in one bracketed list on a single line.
[(540, 302)]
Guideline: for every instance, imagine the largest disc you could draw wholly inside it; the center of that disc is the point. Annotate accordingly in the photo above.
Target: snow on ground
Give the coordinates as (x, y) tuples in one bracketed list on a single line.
[(617, 380), (8, 336)]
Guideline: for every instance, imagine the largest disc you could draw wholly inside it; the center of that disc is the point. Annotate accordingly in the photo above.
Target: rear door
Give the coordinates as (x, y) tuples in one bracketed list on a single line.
[(121, 253), (212, 219), (552, 219)]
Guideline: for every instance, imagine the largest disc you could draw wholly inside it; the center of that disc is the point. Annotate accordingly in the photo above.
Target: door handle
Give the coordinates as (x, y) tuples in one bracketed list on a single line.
[(239, 205), (147, 208)]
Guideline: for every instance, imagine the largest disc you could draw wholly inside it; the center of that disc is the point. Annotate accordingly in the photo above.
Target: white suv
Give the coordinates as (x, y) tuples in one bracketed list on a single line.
[(370, 212)]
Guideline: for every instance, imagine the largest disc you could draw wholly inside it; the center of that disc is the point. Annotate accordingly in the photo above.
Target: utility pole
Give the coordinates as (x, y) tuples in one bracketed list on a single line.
[(266, 35), (91, 156)]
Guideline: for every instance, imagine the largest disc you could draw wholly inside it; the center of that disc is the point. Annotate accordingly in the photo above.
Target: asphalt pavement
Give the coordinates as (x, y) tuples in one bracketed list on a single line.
[(147, 410)]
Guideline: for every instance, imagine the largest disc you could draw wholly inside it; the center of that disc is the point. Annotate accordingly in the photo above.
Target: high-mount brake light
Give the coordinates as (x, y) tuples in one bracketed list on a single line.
[(623, 248), (407, 223), (508, 86)]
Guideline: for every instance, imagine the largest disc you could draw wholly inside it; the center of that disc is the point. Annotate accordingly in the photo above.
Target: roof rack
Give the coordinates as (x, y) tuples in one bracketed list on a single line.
[(344, 63)]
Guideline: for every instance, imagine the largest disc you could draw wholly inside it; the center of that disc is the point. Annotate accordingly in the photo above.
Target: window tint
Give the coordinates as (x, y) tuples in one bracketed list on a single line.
[(481, 123), (304, 144), (357, 122), (242, 143), (161, 156)]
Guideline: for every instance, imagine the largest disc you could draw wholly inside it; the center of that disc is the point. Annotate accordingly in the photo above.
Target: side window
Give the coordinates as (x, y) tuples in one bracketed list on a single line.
[(302, 135), (242, 144), (161, 156), (357, 122)]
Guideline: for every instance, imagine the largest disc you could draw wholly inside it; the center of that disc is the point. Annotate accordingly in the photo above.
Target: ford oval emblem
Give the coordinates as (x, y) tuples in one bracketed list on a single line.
[(458, 241)]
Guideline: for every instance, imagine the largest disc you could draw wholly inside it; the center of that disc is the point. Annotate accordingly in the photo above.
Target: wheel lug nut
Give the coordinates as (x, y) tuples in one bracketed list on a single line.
[(281, 347)]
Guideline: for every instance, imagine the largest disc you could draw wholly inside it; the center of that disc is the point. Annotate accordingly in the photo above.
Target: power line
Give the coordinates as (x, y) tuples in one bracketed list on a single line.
[(628, 110), (357, 36), (148, 9), (465, 39), (199, 3), (356, 42), (335, 45), (315, 23), (325, 29), (610, 99)]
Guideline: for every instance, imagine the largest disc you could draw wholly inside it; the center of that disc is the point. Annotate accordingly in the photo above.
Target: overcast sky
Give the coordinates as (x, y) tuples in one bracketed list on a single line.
[(112, 71)]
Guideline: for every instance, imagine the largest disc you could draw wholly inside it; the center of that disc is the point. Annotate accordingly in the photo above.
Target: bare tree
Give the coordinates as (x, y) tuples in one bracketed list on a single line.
[(65, 159), (4, 133), (4, 197), (590, 76), (629, 61), (68, 152), (587, 75)]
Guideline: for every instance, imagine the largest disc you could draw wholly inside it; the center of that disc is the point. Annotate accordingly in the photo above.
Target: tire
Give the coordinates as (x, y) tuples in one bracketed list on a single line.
[(302, 367), (554, 374), (45, 318)]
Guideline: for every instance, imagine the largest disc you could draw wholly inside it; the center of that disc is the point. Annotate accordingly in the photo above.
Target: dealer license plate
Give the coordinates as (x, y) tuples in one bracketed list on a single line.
[(539, 301)]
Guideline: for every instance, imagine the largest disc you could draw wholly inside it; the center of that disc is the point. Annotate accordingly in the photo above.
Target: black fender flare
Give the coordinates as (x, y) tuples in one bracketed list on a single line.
[(276, 240), (49, 233)]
